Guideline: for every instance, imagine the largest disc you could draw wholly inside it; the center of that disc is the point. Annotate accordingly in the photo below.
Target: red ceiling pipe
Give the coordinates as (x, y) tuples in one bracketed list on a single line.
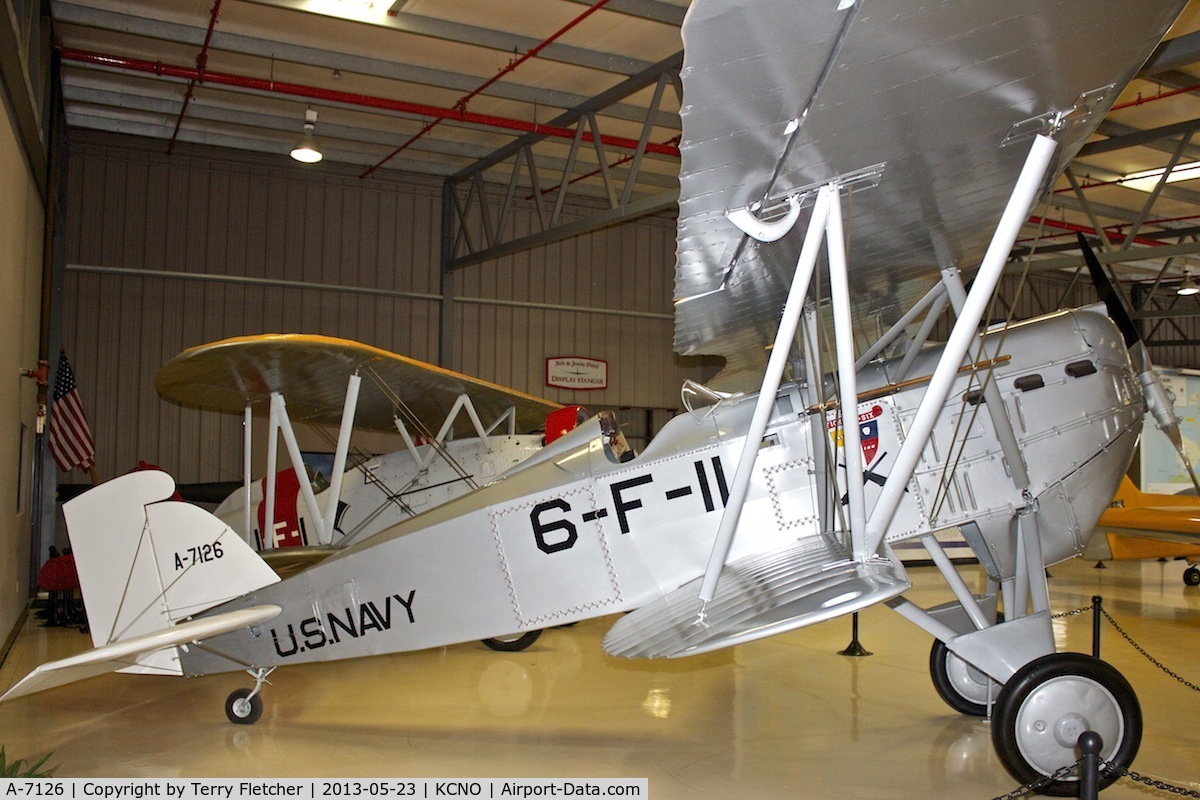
[(1071, 226), (462, 101), (201, 63), (350, 98), (1160, 96)]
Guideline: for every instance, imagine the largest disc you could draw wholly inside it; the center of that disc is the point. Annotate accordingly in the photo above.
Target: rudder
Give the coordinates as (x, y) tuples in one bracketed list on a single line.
[(145, 562)]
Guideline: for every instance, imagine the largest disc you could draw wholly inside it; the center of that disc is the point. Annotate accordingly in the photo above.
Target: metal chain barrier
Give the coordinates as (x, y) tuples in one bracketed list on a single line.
[(1034, 786), (1149, 657), (1154, 783), (1062, 614)]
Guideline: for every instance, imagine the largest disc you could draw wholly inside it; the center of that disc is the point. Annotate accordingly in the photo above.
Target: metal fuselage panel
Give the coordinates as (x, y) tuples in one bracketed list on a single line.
[(572, 534), (1076, 409)]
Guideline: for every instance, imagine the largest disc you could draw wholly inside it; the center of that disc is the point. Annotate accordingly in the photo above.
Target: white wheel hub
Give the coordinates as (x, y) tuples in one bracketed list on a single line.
[(1054, 714), (969, 682)]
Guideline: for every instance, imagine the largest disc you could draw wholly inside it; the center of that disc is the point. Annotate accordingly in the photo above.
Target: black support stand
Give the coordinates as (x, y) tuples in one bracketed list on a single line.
[(855, 647)]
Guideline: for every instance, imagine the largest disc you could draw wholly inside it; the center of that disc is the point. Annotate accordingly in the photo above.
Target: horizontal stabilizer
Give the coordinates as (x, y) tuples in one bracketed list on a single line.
[(811, 581), (124, 653)]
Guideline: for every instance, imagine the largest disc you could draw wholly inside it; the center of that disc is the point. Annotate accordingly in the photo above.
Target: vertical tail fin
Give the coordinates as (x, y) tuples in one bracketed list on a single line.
[(145, 562)]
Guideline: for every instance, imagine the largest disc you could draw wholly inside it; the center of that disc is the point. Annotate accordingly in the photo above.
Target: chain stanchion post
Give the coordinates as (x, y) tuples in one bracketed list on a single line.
[(1097, 612), (855, 648), (1090, 743)]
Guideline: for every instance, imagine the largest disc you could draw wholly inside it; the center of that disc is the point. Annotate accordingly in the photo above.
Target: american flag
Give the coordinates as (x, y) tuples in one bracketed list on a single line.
[(70, 438)]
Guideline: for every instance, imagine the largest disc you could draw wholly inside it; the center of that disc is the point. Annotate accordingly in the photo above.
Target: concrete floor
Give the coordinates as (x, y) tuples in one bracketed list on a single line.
[(783, 717)]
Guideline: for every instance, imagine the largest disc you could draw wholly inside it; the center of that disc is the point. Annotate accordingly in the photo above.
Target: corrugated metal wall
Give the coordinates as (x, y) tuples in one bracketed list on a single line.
[(168, 252)]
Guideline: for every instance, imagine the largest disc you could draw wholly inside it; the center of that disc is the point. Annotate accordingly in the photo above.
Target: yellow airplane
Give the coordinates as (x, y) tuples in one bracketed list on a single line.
[(1143, 525)]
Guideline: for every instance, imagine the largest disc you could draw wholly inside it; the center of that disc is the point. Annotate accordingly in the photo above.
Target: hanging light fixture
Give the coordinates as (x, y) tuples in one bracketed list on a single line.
[(306, 150), (1187, 287)]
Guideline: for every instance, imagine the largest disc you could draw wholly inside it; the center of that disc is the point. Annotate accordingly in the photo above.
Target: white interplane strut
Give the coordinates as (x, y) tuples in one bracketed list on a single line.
[(961, 337), (339, 457), (247, 478), (826, 225), (279, 423), (843, 336), (770, 386), (293, 448), (462, 404)]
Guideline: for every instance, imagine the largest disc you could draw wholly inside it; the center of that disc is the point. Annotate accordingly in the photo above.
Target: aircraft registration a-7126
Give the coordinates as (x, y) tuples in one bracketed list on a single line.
[(770, 506)]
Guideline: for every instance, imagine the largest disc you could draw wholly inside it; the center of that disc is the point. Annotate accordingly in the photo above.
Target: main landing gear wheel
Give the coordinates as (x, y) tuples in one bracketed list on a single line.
[(1044, 707), (1191, 576), (243, 706), (511, 644), (964, 688)]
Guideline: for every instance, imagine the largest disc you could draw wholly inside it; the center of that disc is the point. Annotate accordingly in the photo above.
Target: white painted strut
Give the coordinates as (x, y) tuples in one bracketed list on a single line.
[(766, 398), (267, 534), (339, 456), (843, 335), (993, 403), (964, 332), (247, 479), (937, 293), (289, 439)]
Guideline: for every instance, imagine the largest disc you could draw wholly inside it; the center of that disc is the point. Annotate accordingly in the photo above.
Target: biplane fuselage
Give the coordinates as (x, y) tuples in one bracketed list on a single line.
[(574, 533)]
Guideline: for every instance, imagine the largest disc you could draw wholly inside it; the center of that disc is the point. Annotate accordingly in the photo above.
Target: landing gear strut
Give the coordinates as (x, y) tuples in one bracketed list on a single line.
[(1048, 703), (245, 706)]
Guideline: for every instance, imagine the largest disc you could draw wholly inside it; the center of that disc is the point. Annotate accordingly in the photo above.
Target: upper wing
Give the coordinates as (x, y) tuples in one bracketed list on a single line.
[(780, 95), (311, 372)]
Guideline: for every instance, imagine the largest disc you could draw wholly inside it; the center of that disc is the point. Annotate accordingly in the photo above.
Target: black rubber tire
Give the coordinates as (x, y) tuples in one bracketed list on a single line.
[(1061, 678), (514, 643), (1191, 576), (950, 674), (256, 707)]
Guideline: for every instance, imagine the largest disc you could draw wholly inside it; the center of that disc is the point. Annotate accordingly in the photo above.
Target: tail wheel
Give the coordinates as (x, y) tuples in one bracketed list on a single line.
[(243, 707), (964, 688), (510, 644), (1048, 703), (1191, 576)]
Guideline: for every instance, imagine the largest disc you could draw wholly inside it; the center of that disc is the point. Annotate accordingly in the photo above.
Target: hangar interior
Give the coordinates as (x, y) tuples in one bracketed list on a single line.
[(499, 186)]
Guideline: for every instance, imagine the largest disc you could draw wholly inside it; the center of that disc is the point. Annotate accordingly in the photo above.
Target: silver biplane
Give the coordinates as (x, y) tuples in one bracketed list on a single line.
[(841, 162), (456, 433)]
